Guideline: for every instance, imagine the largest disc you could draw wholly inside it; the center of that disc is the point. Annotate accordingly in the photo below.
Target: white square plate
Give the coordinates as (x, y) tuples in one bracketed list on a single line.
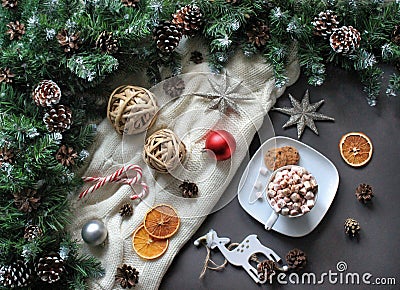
[(321, 167)]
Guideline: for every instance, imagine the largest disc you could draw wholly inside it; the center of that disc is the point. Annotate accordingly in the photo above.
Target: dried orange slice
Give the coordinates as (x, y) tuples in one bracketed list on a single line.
[(161, 221), (147, 246), (356, 149)]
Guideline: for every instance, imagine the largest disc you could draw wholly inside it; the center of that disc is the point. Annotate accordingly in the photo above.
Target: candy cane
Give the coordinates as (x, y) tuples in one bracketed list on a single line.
[(116, 177)]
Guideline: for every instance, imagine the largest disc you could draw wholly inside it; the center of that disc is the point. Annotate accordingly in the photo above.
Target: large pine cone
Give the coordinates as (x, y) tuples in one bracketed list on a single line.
[(167, 36), (6, 155), (325, 23), (69, 42), (6, 75), (16, 30), (296, 259), (66, 155), (258, 34), (16, 275), (107, 43), (50, 268), (27, 200), (9, 3), (127, 276), (345, 39), (58, 118), (47, 93), (189, 18)]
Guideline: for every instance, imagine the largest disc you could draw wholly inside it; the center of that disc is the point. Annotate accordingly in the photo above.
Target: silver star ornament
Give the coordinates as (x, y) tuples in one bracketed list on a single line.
[(303, 114), (223, 96)]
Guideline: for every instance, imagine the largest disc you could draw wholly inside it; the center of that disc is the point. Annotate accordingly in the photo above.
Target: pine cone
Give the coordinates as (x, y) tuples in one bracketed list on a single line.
[(258, 34), (345, 39), (189, 18), (58, 118), (46, 94), (27, 200), (69, 43), (296, 259), (266, 270), (167, 36), (107, 43), (18, 274), (6, 75), (234, 2), (9, 3), (130, 3), (174, 87), (189, 189), (396, 35), (32, 232), (126, 210), (351, 227), (50, 268), (6, 155), (364, 193), (66, 155), (127, 276), (196, 57), (325, 23), (16, 30)]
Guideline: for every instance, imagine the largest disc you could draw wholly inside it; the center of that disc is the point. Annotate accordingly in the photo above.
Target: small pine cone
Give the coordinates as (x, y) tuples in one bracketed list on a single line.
[(189, 189), (196, 57), (126, 210), (234, 2), (351, 227), (6, 75), (296, 259), (325, 23), (189, 18), (32, 232), (127, 276), (258, 34), (107, 43), (174, 87), (50, 268), (9, 3), (69, 42), (58, 118), (364, 193), (66, 155), (266, 270), (130, 3), (167, 36), (16, 275), (396, 35), (46, 94), (345, 39), (16, 30), (6, 155), (27, 200)]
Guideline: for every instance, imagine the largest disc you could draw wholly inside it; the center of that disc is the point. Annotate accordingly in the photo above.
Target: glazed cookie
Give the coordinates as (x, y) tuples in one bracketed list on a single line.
[(275, 158), (292, 155)]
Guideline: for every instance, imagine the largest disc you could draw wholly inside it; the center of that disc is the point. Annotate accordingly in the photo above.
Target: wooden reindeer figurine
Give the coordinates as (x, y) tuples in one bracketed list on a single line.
[(240, 255)]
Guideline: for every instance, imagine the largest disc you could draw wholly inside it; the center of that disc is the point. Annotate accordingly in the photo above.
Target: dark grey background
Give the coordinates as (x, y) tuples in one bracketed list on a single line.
[(377, 250)]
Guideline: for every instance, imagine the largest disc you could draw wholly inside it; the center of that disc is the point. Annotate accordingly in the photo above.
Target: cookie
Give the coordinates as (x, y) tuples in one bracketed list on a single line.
[(292, 155), (275, 158)]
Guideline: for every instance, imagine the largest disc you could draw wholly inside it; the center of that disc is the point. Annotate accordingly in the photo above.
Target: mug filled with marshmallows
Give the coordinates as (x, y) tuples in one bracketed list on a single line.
[(291, 191)]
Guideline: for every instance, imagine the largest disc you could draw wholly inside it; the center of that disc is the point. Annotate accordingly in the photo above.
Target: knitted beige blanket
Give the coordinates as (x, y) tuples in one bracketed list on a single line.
[(188, 118)]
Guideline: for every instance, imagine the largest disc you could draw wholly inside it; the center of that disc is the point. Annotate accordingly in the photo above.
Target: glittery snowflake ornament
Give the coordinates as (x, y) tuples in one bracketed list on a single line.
[(303, 114)]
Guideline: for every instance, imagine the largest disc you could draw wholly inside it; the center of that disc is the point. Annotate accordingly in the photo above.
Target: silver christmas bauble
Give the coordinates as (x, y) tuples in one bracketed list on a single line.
[(94, 232)]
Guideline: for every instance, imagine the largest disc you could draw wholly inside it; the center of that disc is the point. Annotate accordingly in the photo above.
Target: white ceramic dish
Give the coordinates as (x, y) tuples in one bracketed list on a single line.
[(321, 167)]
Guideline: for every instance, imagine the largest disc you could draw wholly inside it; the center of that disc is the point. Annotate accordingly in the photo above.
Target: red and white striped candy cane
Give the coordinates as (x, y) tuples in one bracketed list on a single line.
[(117, 177)]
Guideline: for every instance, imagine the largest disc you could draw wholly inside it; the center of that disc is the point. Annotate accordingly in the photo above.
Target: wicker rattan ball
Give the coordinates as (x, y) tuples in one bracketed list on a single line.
[(131, 109), (164, 151)]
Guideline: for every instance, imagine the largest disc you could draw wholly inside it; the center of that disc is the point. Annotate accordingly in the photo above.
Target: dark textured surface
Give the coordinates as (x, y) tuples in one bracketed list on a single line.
[(377, 249)]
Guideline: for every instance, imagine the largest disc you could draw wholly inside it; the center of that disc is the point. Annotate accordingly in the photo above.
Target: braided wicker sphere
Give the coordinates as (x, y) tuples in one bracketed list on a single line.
[(131, 109), (164, 151)]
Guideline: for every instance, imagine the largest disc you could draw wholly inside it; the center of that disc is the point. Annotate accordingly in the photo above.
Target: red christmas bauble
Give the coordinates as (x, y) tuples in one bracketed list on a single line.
[(221, 143)]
